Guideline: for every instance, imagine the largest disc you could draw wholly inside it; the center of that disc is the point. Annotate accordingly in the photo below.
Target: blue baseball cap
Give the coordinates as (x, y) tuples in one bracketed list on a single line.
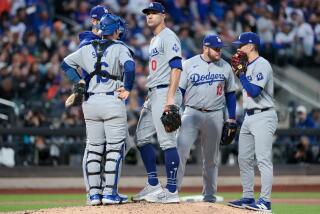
[(212, 41), (154, 6), (247, 38), (98, 11)]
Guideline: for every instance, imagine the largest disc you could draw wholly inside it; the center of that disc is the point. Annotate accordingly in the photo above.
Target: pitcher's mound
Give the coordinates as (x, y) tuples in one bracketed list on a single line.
[(141, 208)]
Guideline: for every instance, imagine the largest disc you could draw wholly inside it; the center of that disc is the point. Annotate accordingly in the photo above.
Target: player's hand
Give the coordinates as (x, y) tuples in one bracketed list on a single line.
[(123, 94), (231, 130), (169, 103)]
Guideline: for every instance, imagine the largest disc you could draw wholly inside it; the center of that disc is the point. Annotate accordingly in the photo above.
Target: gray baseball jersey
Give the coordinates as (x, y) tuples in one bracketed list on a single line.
[(257, 130), (112, 61), (205, 84), (105, 116), (163, 47), (259, 72)]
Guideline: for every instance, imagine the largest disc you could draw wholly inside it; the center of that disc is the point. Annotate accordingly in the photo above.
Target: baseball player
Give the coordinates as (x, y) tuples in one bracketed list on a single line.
[(85, 38), (164, 74), (96, 13), (208, 85), (107, 62), (259, 124)]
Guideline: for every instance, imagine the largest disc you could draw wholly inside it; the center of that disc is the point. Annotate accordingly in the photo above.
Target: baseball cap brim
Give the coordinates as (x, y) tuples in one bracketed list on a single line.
[(215, 46), (146, 10), (238, 43)]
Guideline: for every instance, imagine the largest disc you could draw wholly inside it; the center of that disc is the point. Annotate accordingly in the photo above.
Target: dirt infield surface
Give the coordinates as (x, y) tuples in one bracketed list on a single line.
[(141, 208)]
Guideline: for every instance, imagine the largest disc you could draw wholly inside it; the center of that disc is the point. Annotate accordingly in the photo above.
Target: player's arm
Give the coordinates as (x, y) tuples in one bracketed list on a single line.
[(69, 66), (183, 84), (230, 94), (176, 68), (252, 89), (128, 64), (172, 51)]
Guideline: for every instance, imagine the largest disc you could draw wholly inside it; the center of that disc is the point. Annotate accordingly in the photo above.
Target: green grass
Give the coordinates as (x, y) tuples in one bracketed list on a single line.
[(9, 203)]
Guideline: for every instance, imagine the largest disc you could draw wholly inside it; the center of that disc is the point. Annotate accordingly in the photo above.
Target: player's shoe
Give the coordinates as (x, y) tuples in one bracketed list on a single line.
[(209, 198), (241, 203), (95, 199), (114, 199), (164, 197), (147, 190), (260, 205)]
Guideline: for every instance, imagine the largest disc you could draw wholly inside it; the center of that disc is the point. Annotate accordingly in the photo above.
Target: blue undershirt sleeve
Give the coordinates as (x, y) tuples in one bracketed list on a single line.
[(71, 73), (129, 75), (175, 63), (252, 90), (231, 104)]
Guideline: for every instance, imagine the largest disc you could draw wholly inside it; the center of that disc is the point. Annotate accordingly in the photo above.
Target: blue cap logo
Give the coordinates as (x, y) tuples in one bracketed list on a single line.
[(97, 12), (213, 41)]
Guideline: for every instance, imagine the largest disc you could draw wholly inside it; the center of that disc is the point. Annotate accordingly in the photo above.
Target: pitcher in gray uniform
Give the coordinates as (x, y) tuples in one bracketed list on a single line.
[(163, 80), (258, 127), (209, 86), (107, 62)]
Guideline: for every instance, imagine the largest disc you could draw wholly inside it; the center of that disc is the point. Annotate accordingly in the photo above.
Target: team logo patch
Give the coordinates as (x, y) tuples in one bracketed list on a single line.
[(154, 52), (249, 78), (175, 48), (259, 76)]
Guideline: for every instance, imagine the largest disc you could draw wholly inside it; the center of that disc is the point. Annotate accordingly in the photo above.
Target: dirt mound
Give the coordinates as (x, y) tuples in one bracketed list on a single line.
[(141, 208)]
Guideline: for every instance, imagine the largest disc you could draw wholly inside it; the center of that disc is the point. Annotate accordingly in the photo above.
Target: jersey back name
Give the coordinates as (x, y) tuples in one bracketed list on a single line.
[(163, 47)]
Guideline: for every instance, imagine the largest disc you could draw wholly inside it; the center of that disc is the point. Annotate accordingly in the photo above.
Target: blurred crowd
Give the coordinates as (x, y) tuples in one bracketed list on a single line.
[(35, 35)]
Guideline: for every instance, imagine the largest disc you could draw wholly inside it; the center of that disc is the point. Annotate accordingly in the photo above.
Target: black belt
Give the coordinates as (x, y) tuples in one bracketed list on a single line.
[(107, 93), (202, 109), (158, 87), (256, 111)]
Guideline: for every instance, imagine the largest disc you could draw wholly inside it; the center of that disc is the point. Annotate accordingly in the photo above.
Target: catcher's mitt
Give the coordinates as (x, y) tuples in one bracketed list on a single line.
[(239, 62), (229, 131), (171, 119), (76, 98)]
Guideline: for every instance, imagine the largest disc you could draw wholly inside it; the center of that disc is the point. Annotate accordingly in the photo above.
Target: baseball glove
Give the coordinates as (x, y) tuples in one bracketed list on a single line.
[(77, 97), (171, 119), (229, 132), (239, 62)]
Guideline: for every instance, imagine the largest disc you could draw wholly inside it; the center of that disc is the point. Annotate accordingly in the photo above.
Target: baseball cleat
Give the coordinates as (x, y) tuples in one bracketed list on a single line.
[(241, 203), (146, 191), (164, 197), (114, 199), (260, 205), (95, 199), (210, 199)]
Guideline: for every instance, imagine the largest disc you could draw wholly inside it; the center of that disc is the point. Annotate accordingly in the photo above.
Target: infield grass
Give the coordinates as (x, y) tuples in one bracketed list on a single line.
[(14, 202)]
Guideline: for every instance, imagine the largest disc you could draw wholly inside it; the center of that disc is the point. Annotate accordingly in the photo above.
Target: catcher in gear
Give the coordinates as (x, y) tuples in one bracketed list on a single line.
[(171, 119), (112, 71), (209, 86)]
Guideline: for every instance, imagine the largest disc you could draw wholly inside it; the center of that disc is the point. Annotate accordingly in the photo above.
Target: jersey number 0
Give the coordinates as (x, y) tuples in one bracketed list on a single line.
[(153, 65)]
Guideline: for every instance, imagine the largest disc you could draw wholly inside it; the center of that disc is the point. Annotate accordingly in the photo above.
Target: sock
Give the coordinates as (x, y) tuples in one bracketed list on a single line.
[(171, 158), (149, 159)]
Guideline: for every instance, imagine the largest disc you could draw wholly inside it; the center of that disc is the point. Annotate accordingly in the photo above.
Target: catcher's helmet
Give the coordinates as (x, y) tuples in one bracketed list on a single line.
[(122, 27), (108, 24)]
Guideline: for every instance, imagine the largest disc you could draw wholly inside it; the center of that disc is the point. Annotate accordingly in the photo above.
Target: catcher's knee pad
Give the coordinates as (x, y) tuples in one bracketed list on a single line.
[(114, 157)]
